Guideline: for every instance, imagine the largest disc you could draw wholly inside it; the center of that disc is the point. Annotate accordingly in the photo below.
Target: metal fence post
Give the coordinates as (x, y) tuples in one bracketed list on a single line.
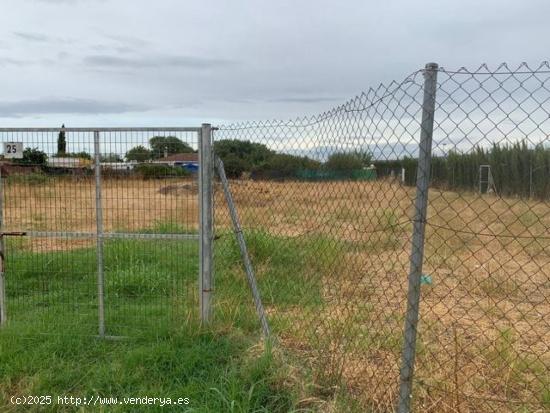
[(99, 236), (205, 223), (249, 270), (419, 226), (3, 313)]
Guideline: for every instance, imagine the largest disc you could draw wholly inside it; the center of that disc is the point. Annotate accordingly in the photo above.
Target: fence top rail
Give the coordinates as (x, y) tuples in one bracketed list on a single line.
[(117, 129)]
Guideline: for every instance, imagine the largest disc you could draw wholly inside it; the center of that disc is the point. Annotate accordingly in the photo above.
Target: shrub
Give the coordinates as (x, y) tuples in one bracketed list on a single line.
[(139, 153), (158, 171), (346, 162), (32, 156), (282, 166), (241, 156), (169, 145), (234, 166)]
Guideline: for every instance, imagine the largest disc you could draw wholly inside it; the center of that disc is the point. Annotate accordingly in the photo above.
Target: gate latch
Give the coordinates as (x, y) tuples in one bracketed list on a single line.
[(13, 234)]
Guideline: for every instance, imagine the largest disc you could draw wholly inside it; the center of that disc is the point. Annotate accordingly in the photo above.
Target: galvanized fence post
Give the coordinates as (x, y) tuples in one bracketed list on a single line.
[(3, 313), (249, 270), (419, 226), (205, 223), (99, 236)]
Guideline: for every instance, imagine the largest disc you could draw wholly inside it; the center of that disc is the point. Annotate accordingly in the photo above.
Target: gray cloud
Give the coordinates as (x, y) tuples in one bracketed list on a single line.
[(8, 61), (65, 106), (105, 48), (39, 37), (191, 62), (127, 40), (278, 59), (33, 37)]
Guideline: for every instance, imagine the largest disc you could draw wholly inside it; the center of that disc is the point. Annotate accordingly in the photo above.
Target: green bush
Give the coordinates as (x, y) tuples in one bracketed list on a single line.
[(241, 156), (346, 162), (283, 166), (169, 145), (139, 153), (32, 156), (158, 171), (234, 166)]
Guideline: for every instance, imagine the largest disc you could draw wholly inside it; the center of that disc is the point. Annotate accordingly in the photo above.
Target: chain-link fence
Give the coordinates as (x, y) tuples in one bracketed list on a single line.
[(397, 246), (365, 274)]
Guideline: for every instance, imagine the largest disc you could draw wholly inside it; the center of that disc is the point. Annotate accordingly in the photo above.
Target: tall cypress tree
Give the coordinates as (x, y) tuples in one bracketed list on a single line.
[(61, 142)]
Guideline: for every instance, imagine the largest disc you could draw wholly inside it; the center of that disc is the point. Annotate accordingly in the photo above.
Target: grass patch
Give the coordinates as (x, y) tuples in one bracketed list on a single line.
[(34, 178), (150, 296), (216, 372), (289, 270)]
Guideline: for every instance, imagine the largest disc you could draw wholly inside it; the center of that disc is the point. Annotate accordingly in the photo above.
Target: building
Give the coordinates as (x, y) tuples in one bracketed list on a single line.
[(119, 166), (68, 162), (188, 161)]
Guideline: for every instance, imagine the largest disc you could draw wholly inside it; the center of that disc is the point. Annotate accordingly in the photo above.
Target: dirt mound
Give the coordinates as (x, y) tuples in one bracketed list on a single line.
[(179, 189)]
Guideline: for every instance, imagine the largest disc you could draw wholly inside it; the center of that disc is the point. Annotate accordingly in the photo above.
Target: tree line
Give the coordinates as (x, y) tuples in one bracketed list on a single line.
[(516, 168), (260, 162)]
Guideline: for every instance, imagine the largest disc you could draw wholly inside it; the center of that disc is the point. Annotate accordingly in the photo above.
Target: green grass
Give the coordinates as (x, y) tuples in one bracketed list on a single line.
[(151, 298), (213, 370)]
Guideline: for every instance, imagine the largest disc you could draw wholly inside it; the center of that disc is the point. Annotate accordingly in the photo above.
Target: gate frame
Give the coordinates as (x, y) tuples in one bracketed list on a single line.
[(206, 217), (205, 236)]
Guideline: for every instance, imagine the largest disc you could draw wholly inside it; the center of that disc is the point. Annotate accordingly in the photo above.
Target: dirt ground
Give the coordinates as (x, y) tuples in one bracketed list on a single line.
[(484, 332)]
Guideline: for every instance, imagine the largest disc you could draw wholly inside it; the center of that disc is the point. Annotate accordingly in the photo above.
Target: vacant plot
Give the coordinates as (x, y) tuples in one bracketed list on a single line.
[(332, 263)]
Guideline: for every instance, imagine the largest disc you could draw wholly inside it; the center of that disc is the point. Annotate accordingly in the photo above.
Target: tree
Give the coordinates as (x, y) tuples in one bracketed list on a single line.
[(161, 145), (234, 166), (346, 162), (61, 142), (32, 156), (283, 165), (138, 153), (251, 152), (240, 156)]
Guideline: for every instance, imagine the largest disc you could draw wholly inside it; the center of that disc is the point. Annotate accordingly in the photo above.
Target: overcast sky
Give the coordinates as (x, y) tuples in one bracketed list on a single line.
[(179, 63)]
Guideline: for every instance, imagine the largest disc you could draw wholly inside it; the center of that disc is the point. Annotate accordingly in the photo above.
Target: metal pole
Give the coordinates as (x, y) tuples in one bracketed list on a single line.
[(417, 253), (480, 179), (251, 277), (3, 313), (531, 181), (99, 236), (205, 223)]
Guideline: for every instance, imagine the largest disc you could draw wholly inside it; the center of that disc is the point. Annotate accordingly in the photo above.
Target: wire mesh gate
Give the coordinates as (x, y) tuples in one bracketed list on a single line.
[(101, 228)]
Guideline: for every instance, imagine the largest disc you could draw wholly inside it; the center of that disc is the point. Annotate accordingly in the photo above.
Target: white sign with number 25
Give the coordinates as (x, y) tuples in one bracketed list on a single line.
[(13, 150)]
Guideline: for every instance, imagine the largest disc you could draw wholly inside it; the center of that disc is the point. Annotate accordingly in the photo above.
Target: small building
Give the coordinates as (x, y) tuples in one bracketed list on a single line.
[(187, 161), (119, 166), (68, 162)]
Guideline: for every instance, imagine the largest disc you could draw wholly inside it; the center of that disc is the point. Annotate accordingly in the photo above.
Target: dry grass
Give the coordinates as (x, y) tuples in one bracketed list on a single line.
[(484, 331), (69, 205), (483, 319)]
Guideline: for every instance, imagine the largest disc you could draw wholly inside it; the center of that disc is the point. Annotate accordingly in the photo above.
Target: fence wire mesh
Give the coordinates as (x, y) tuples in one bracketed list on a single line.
[(327, 206), (134, 224)]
